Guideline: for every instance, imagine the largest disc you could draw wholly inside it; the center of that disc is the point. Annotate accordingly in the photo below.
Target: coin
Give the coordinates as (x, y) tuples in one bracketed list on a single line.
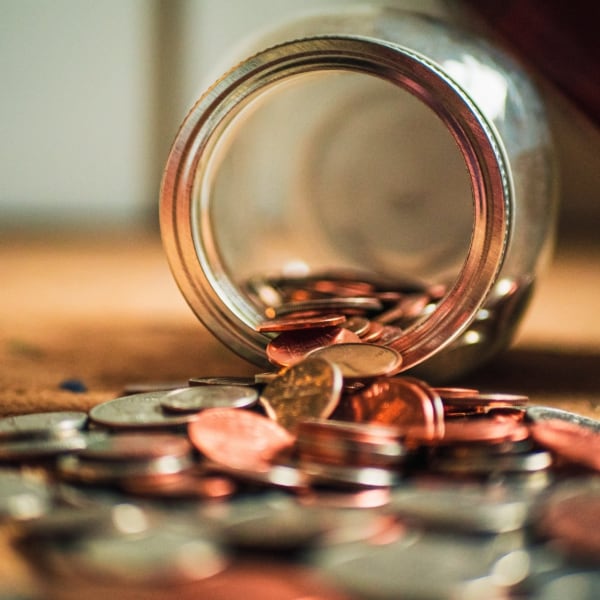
[(194, 399), (291, 347), (22, 498), (485, 430), (349, 476), (571, 441), (543, 413), (293, 324), (363, 303), (310, 388), (124, 447), (238, 438), (41, 424), (361, 361), (222, 380), (137, 411), (404, 402)]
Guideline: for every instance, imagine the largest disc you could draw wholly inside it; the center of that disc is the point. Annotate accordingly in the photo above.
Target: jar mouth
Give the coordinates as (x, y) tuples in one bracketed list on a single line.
[(186, 194)]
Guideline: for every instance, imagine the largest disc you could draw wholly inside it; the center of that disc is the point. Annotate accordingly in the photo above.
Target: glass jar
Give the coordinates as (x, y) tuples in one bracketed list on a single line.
[(371, 141)]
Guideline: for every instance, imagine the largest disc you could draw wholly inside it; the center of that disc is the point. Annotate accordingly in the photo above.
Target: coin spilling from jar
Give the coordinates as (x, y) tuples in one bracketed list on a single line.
[(331, 476)]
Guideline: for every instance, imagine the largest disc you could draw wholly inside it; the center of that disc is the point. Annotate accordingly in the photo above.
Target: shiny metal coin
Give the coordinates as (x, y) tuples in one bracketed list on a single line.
[(361, 361), (543, 413), (45, 424), (37, 449), (76, 469), (136, 412), (310, 388), (222, 380), (194, 399)]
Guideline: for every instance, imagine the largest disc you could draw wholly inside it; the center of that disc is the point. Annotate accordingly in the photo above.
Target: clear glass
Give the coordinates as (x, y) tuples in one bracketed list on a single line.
[(370, 140)]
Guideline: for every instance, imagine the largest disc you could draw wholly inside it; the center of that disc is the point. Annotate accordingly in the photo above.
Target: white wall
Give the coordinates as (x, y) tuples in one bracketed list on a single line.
[(92, 92)]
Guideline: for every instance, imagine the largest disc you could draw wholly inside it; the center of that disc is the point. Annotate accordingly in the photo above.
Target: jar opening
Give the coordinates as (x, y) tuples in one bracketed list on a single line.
[(373, 162)]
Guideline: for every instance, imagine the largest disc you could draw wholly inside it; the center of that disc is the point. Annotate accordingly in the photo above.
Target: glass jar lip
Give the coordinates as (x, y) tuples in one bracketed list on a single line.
[(185, 226)]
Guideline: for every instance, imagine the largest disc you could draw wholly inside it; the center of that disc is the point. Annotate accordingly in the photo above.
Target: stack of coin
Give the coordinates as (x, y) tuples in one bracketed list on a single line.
[(128, 457), (41, 436)]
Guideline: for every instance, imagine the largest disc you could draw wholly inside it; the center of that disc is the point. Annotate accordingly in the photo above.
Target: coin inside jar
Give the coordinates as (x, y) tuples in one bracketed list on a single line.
[(290, 347)]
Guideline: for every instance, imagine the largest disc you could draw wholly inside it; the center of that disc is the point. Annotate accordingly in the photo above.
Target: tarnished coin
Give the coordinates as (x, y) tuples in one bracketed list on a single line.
[(361, 361), (194, 399), (310, 388), (45, 424), (291, 347), (238, 438), (293, 324), (138, 411), (570, 440)]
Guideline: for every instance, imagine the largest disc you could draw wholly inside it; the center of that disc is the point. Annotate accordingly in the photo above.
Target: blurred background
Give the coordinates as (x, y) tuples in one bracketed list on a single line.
[(92, 94)]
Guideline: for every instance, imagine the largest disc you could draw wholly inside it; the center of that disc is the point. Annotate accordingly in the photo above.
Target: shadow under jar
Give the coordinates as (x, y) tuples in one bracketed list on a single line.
[(374, 144)]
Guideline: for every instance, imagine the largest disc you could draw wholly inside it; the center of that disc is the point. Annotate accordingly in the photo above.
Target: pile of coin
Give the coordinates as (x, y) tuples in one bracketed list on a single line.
[(330, 477)]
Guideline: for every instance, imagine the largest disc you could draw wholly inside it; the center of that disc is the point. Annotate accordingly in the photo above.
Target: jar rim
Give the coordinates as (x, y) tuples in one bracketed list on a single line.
[(189, 242)]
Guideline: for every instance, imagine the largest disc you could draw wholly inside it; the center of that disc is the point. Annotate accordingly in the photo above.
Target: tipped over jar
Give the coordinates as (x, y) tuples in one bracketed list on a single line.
[(365, 153)]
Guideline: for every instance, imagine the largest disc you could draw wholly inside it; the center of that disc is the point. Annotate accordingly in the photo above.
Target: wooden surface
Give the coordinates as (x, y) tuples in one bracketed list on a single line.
[(104, 311)]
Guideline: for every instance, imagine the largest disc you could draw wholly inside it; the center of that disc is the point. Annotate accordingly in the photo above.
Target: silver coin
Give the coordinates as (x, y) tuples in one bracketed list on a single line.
[(360, 361), (541, 413), (136, 412), (41, 448), (22, 498), (75, 469), (41, 424), (274, 476), (194, 399)]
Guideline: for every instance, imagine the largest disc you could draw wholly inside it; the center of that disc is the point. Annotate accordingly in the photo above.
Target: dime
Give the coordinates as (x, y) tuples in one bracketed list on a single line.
[(194, 399), (139, 411), (238, 438), (361, 361), (292, 324), (310, 388), (291, 347), (543, 413)]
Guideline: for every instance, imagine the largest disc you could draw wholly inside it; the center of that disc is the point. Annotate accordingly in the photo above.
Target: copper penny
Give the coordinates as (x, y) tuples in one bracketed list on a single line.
[(363, 303), (485, 402), (310, 388), (292, 324), (360, 360), (291, 347), (359, 325), (238, 438), (403, 402), (571, 441)]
